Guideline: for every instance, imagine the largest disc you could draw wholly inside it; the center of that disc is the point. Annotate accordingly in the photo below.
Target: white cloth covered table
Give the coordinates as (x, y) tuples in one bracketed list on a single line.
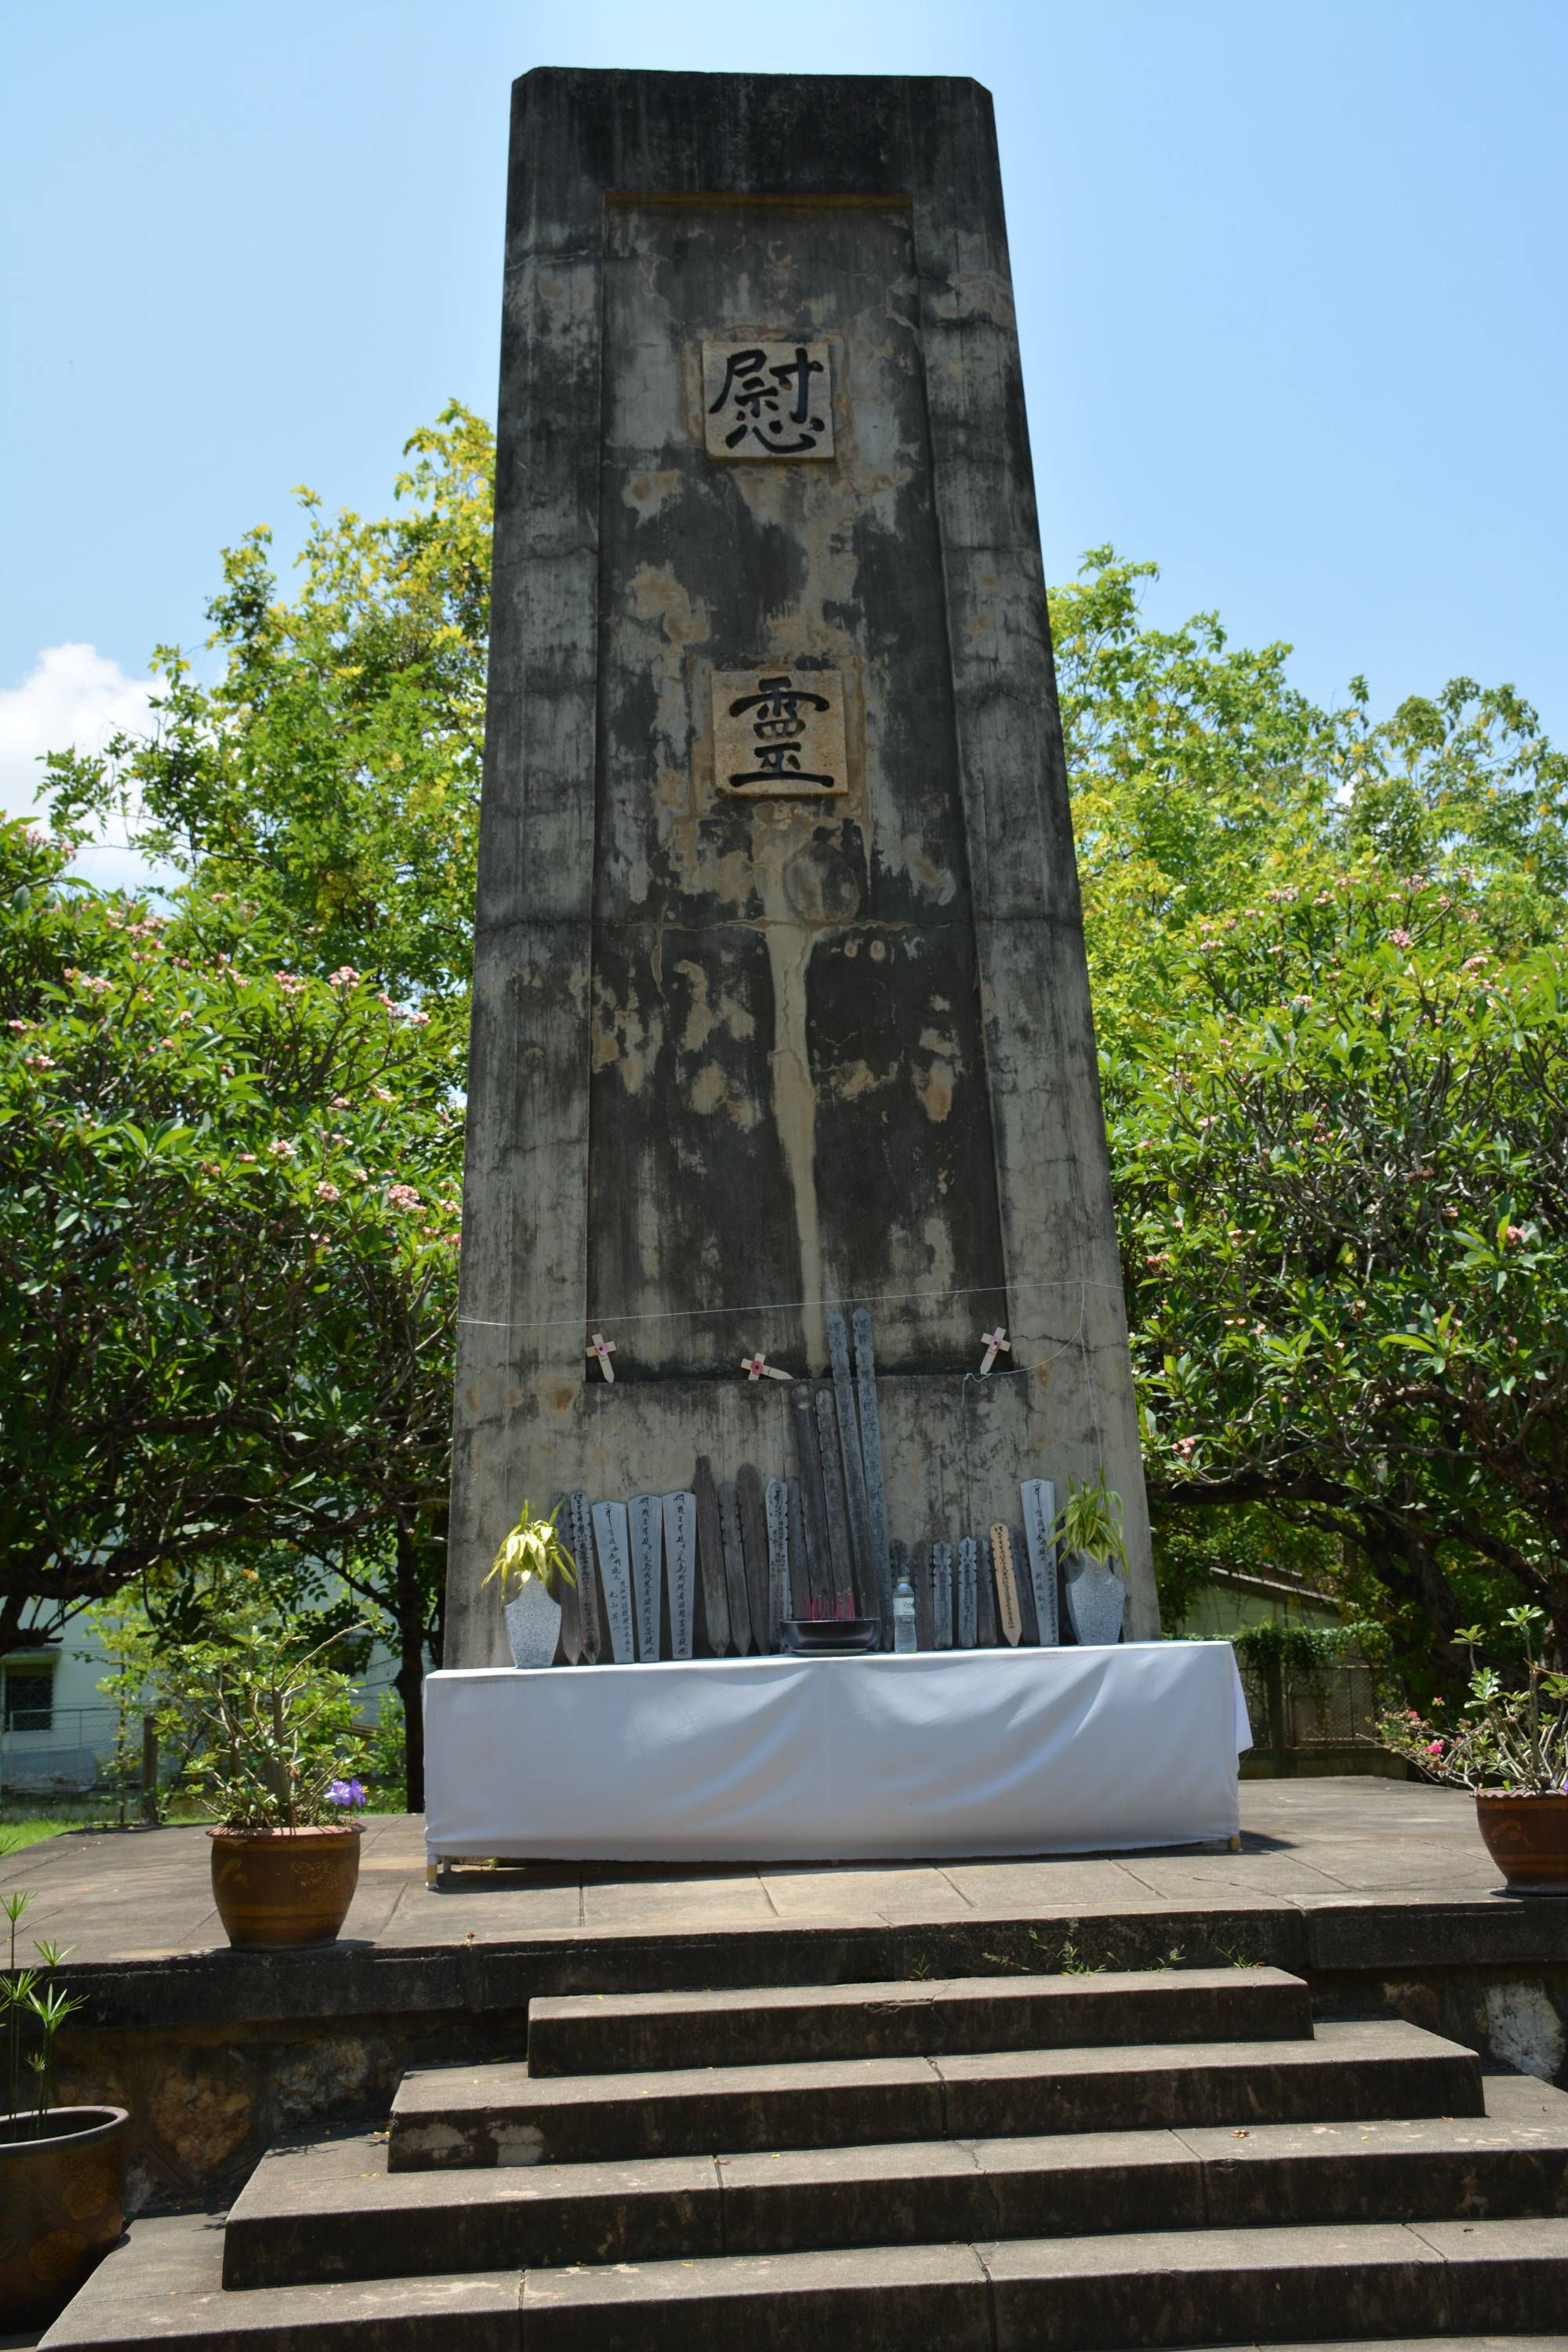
[(782, 1759)]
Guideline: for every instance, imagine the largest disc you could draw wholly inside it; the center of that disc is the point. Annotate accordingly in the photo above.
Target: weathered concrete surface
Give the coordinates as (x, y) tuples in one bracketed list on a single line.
[(163, 2285), (1379, 1893), (729, 1055)]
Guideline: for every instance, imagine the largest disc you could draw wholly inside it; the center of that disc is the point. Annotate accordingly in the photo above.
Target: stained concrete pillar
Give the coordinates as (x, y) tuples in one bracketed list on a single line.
[(743, 1050)]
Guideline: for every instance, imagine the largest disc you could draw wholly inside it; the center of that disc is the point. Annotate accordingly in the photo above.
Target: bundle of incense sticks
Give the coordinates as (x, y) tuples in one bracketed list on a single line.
[(828, 1612)]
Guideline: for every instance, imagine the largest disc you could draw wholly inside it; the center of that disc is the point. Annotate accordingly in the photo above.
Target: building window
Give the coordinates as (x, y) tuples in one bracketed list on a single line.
[(29, 1698)]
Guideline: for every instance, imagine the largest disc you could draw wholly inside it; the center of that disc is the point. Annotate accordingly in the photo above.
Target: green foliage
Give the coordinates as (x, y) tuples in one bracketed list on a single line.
[(228, 1231), (277, 1719), (1201, 778), (384, 1759), (1512, 1739), (1091, 1521), (1345, 1225), (533, 1550), (332, 776)]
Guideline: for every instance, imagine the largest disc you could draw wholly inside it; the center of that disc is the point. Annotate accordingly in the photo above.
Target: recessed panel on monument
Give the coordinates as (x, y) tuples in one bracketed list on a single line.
[(780, 1008)]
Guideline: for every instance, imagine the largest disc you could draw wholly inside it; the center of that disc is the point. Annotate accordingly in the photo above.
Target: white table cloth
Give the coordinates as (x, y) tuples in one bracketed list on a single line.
[(782, 1759)]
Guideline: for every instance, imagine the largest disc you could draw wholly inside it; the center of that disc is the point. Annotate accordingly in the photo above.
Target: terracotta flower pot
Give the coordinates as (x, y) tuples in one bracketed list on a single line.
[(1527, 1837), (62, 2206), (275, 1887)]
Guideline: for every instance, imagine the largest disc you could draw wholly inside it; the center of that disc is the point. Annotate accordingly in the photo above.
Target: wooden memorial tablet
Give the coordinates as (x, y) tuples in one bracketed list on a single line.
[(849, 1447), (965, 1607), (871, 1457), (580, 1543), (715, 1608), (612, 1541), (681, 1569), (754, 1544), (775, 1504), (833, 1503), (941, 1593), (734, 1569), (1008, 1618), (646, 1516), (919, 1576), (1039, 1516)]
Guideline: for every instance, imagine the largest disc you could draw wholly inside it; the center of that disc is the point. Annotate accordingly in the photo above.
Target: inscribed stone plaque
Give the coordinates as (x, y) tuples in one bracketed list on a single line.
[(779, 733), (767, 400)]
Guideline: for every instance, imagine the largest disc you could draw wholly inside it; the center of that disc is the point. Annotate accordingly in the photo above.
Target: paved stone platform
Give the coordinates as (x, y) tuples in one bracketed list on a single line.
[(137, 1896)]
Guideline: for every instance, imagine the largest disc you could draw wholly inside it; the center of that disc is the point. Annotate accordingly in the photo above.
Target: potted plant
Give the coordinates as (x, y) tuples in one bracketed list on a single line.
[(281, 1768), (62, 2170), (1089, 1529), (532, 1559), (1509, 1746)]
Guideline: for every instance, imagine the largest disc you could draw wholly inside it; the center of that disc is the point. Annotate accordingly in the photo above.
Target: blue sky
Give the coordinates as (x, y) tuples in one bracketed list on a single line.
[(1290, 280)]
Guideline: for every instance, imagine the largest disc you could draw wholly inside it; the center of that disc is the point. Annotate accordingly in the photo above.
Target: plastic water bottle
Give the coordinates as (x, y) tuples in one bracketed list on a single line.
[(903, 1617)]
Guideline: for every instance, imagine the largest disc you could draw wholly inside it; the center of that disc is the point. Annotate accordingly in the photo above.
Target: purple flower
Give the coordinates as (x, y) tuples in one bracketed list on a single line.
[(346, 1792)]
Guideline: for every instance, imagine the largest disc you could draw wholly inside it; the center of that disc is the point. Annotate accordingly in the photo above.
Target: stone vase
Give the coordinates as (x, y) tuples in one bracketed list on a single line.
[(1097, 1595), (533, 1625), (62, 2206)]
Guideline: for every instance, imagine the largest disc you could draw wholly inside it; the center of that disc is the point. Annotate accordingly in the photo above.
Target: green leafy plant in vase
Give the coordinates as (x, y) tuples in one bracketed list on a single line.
[(1508, 1745), (1094, 1560), (532, 1562), (279, 1763)]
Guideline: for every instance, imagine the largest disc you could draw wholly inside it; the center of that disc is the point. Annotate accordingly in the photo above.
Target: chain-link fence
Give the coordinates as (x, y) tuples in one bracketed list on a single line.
[(72, 1753), (1336, 1709)]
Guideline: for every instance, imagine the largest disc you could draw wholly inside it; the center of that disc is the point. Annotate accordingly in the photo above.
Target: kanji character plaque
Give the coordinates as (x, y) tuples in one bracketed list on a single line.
[(779, 733), (767, 400)]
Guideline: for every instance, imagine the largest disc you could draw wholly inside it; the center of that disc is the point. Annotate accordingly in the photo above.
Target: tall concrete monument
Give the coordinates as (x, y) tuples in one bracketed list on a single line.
[(780, 1006)]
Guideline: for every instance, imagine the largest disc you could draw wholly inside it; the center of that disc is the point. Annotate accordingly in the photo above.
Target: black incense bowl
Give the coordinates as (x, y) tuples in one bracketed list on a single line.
[(830, 1637)]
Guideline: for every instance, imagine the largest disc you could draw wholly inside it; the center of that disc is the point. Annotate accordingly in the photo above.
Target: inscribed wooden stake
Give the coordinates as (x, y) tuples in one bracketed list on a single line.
[(833, 1500), (1012, 1625), (775, 1504), (646, 1515), (581, 1545), (819, 1560), (754, 1544), (919, 1576), (799, 1571), (612, 1541), (941, 1593), (734, 1569), (1039, 1513), (966, 1610), (984, 1596), (855, 1497), (871, 1457), (681, 1569), (710, 1560)]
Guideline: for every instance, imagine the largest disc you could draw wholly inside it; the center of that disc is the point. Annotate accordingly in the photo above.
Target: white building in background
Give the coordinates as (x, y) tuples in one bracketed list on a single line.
[(58, 1731)]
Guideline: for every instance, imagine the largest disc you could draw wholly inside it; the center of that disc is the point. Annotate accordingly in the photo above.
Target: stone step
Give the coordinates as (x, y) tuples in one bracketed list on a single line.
[(597, 2034), (1202, 2286), (458, 2116), (313, 2213), (163, 2285)]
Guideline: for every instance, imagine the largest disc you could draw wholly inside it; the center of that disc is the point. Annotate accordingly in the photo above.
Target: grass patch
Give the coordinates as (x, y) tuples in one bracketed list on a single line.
[(15, 1835)]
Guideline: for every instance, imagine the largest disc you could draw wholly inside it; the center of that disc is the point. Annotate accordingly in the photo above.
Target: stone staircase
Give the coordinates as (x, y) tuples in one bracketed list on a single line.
[(987, 2165)]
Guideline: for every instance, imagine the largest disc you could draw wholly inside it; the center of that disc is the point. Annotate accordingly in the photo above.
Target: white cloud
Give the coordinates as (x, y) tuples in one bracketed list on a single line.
[(73, 698)]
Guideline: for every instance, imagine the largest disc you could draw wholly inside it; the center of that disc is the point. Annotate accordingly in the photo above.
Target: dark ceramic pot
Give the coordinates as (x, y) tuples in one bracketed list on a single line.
[(1527, 1837), (62, 2206), (275, 1887)]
